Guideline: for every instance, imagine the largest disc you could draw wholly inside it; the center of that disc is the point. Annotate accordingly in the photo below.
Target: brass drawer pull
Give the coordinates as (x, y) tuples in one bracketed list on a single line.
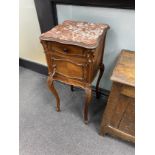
[(65, 50)]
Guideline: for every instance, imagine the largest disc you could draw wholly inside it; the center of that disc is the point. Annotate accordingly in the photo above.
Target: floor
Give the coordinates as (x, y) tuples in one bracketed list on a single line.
[(43, 131)]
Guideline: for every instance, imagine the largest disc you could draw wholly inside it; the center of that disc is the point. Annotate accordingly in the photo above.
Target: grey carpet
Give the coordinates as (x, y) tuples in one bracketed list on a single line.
[(43, 131)]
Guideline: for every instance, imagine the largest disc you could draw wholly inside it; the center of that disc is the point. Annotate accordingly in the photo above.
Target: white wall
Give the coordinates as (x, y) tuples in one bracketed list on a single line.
[(29, 32), (120, 36)]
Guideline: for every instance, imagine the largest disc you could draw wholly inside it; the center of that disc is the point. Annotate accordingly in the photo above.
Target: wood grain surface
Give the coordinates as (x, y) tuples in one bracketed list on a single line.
[(124, 71), (119, 116)]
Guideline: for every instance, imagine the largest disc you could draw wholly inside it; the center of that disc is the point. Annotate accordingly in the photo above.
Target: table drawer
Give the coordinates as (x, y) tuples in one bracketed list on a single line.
[(69, 50), (69, 68)]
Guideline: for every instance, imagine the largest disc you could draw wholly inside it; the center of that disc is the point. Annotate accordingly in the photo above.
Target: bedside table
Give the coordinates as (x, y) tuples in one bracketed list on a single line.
[(119, 115), (74, 52)]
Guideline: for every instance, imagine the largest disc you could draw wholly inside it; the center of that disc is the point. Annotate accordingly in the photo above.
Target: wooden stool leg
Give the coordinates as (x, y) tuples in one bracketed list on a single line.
[(98, 80), (72, 88), (88, 92), (53, 90)]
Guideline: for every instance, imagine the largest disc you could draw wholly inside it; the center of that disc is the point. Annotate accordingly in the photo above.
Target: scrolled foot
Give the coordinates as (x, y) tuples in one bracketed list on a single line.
[(86, 122), (58, 109)]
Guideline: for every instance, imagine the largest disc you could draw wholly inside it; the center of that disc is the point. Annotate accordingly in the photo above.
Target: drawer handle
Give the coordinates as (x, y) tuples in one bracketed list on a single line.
[(65, 50)]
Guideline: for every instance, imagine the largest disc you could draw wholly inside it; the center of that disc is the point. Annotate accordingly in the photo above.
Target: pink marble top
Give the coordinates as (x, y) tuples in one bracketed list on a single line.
[(76, 33)]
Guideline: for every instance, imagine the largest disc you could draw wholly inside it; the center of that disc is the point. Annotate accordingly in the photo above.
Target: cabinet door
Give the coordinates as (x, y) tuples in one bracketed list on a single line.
[(68, 68)]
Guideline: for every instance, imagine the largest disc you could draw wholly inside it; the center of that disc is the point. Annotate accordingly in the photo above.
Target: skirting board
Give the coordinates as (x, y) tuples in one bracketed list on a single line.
[(44, 70)]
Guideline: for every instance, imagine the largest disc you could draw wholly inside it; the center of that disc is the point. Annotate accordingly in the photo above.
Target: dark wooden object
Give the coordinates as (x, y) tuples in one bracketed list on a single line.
[(119, 115), (74, 65)]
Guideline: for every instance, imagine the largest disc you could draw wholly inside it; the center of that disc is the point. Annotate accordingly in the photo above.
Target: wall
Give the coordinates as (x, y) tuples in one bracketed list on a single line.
[(120, 36), (29, 32)]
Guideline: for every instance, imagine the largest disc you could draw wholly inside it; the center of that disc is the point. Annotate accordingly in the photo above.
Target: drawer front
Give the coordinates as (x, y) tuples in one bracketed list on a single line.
[(69, 50), (68, 68)]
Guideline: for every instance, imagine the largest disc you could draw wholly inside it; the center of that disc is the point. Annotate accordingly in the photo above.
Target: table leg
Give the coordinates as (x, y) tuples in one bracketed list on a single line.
[(88, 91), (98, 80), (72, 88), (53, 90)]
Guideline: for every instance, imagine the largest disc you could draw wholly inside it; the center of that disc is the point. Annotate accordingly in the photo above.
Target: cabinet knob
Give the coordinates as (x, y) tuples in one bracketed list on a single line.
[(65, 50)]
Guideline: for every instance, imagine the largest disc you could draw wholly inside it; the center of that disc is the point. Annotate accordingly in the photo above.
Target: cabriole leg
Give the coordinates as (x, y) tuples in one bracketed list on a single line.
[(88, 92), (98, 80), (53, 90)]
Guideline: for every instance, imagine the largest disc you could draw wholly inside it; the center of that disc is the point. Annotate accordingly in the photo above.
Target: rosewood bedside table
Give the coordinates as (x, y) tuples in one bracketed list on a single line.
[(119, 115), (74, 53)]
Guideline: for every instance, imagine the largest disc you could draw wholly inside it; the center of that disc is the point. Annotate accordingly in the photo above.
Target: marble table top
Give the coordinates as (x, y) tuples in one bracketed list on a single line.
[(77, 33)]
